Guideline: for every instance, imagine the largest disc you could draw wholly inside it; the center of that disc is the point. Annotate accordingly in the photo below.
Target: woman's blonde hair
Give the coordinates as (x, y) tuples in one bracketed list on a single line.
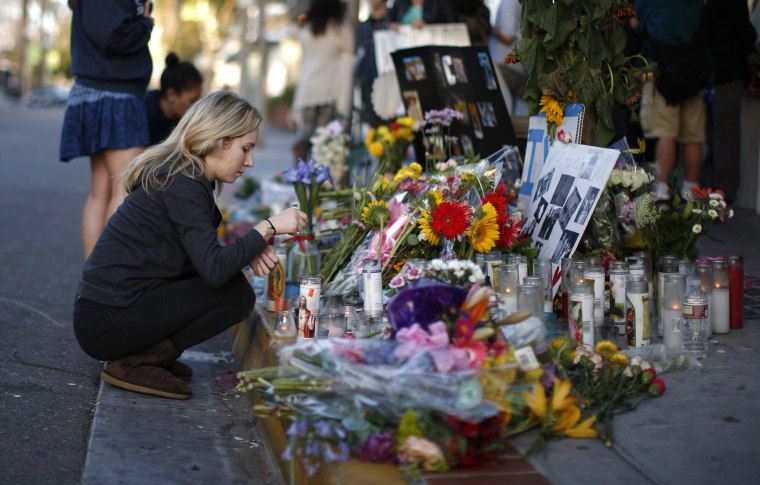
[(210, 123)]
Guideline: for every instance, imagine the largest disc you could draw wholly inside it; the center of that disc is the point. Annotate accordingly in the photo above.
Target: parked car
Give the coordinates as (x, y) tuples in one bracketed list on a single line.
[(48, 96)]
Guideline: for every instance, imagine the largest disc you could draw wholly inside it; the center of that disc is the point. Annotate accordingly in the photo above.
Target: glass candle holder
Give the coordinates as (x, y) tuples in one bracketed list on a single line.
[(720, 298), (685, 267), (542, 268), (284, 324), (668, 265), (529, 300), (565, 285), (704, 273), (508, 276), (576, 272), (736, 291), (618, 276), (674, 288), (492, 265)]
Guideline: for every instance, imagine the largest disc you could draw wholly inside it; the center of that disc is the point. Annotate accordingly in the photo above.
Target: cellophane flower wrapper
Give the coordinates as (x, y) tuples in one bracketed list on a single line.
[(371, 371), (664, 359), (423, 302), (346, 281), (485, 169)]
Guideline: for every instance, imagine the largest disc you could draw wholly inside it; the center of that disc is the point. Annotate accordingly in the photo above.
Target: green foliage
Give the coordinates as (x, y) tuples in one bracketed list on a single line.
[(573, 52)]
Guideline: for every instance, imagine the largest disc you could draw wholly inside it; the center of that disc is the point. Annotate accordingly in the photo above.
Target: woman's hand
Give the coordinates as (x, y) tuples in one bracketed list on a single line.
[(264, 262), (289, 221)]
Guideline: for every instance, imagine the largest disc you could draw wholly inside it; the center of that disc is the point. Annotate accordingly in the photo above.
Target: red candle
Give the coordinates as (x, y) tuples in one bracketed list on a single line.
[(736, 291)]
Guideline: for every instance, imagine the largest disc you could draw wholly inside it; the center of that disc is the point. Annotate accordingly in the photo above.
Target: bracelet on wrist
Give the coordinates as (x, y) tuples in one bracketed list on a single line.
[(274, 231)]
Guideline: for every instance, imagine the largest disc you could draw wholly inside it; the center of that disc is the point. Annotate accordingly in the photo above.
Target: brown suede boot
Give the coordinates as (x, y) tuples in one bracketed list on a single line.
[(180, 369), (146, 372)]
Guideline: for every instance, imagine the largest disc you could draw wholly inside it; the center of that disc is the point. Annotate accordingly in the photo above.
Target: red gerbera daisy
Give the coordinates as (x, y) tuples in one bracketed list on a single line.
[(509, 233), (450, 219)]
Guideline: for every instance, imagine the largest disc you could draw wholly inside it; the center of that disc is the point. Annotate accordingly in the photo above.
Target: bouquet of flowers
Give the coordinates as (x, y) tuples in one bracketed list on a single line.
[(307, 179), (675, 229), (438, 142), (329, 146), (390, 143)]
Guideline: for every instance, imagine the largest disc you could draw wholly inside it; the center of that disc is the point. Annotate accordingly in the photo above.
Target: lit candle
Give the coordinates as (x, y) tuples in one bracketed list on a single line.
[(510, 300), (720, 321), (671, 327)]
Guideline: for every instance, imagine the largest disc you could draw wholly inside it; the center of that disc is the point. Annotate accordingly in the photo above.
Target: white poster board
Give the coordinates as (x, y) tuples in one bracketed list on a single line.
[(538, 145), (570, 184), (388, 41)]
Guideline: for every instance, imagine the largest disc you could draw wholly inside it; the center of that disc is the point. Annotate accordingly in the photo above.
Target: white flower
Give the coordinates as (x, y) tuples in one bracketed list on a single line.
[(712, 213), (696, 211), (616, 177), (697, 228), (627, 179), (715, 195), (713, 203), (730, 213)]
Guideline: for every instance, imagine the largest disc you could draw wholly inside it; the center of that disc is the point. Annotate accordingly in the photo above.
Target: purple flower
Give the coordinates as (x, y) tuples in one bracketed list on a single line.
[(323, 429), (380, 447), (331, 454), (547, 378), (313, 448), (298, 428), (424, 303), (323, 174)]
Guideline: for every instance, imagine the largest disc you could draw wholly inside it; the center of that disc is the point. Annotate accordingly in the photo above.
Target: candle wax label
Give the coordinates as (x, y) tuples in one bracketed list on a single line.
[(617, 297), (580, 311), (276, 284), (637, 320)]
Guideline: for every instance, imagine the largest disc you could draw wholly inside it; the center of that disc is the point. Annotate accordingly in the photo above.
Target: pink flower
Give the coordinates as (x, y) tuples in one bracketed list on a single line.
[(477, 351), (564, 137)]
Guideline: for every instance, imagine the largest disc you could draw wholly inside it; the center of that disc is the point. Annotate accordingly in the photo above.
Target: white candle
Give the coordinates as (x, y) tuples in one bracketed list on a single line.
[(720, 322), (510, 301), (671, 327), (709, 314)]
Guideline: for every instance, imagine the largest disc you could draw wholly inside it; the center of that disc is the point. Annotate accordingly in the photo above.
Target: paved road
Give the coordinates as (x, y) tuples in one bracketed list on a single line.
[(47, 385)]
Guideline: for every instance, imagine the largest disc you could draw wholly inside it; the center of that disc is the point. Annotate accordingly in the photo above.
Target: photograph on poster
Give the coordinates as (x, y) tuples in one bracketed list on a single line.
[(413, 106), (541, 208), (476, 126), (448, 70), (569, 208), (488, 74), (565, 246), (586, 205), (414, 69), (487, 115), (440, 77), (549, 222), (543, 184), (459, 70), (562, 190), (588, 168), (467, 148)]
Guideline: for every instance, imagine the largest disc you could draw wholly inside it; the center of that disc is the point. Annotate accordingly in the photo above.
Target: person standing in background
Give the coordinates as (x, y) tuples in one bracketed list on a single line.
[(504, 37), (731, 44), (181, 86), (672, 110), (418, 13), (324, 85), (366, 67), (105, 117), (476, 15)]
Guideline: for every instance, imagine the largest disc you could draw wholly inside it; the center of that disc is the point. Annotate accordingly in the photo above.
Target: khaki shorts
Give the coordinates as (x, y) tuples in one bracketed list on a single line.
[(684, 122)]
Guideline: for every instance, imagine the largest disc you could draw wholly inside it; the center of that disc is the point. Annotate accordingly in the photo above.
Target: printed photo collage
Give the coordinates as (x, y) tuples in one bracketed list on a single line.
[(461, 78)]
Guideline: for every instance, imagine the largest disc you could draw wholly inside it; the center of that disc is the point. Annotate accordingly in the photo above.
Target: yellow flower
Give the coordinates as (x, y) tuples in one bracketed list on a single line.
[(427, 232), (619, 360), (584, 429), (536, 400), (485, 231), (376, 214), (553, 110), (370, 137), (561, 398), (376, 149), (413, 171), (606, 349), (534, 375), (557, 343), (436, 195), (567, 418)]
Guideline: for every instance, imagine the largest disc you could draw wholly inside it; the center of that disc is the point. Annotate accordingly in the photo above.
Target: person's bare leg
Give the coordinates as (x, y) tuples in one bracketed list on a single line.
[(106, 193), (96, 206), (692, 158), (116, 163), (665, 152)]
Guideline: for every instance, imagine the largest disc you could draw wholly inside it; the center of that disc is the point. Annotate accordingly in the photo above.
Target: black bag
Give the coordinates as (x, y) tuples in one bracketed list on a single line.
[(682, 71)]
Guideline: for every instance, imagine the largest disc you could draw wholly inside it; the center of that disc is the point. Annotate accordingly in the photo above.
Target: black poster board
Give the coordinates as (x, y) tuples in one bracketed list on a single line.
[(461, 78)]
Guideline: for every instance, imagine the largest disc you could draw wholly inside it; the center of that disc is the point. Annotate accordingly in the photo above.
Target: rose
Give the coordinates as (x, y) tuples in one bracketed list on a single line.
[(657, 388), (648, 375)]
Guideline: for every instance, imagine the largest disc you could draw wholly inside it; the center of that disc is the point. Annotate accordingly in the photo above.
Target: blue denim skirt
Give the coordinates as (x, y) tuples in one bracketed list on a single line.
[(97, 120)]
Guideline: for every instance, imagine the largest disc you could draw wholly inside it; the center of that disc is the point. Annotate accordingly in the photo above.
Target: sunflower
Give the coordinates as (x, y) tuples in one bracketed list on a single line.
[(450, 219), (619, 360), (606, 349), (413, 171), (436, 195), (553, 110), (376, 149), (426, 232), (485, 230), (376, 214)]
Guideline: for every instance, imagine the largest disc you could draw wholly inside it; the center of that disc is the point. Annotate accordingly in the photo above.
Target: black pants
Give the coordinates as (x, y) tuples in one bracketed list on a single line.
[(187, 312)]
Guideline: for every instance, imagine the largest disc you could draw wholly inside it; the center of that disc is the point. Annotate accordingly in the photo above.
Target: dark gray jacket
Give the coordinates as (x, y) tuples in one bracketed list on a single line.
[(162, 237)]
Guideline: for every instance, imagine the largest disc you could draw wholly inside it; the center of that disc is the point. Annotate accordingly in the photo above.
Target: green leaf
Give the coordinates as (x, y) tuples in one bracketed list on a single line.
[(560, 25), (687, 209)]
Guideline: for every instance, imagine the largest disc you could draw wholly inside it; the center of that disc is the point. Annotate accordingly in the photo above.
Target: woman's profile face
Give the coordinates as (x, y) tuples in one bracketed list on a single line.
[(228, 162)]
